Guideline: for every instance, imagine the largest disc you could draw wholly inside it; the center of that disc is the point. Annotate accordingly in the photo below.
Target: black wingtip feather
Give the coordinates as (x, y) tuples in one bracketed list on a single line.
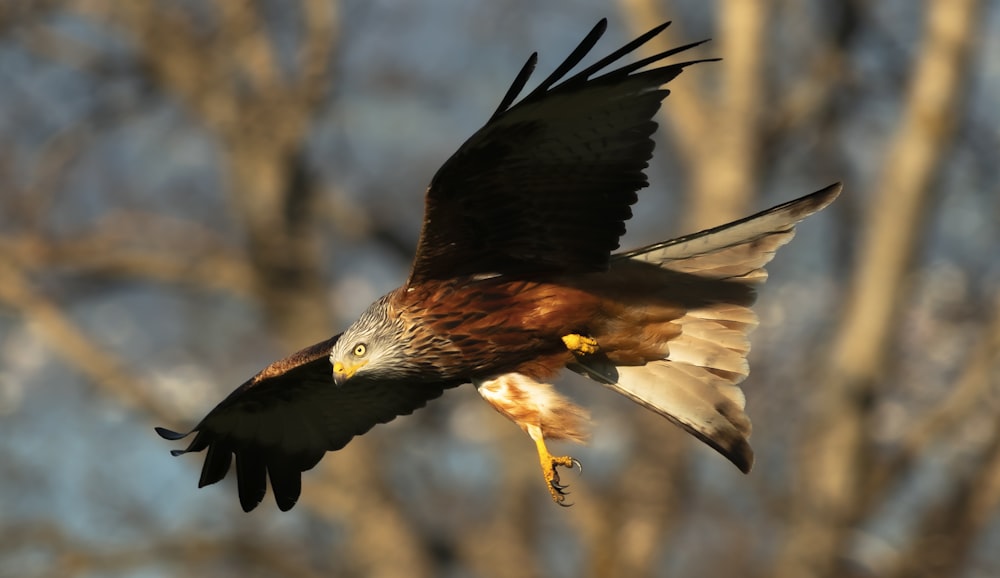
[(640, 64), (286, 481), (617, 54), (556, 80), (573, 59), (170, 434), (218, 460), (251, 478), (516, 87)]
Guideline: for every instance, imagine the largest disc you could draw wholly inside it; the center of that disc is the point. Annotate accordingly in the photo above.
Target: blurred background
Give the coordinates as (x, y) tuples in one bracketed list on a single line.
[(192, 189)]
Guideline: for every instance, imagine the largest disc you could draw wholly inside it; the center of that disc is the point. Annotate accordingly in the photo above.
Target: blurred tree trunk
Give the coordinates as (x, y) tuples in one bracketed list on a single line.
[(717, 130), (835, 454), (726, 177)]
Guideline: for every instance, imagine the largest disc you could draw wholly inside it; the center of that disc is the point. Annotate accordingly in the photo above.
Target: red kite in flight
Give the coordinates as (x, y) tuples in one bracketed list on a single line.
[(514, 280)]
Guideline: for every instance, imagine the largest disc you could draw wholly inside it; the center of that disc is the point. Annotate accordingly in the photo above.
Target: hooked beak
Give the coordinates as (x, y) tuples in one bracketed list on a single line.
[(341, 372)]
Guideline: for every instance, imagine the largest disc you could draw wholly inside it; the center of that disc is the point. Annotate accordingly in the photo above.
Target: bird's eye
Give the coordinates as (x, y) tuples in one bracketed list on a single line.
[(360, 350)]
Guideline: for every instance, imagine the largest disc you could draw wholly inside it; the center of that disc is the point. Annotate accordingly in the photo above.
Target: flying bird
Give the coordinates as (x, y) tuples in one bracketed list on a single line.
[(515, 279)]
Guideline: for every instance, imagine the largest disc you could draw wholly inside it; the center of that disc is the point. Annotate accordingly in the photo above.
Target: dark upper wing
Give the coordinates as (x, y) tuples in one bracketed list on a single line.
[(281, 421), (548, 183)]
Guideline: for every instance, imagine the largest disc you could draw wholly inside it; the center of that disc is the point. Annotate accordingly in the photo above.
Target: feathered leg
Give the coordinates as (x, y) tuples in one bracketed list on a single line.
[(543, 414)]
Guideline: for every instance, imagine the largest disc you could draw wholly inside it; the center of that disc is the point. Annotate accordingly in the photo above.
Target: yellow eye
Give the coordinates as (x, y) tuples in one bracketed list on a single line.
[(360, 350)]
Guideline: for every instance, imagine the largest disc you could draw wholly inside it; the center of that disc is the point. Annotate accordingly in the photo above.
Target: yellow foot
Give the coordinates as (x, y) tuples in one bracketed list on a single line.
[(580, 344), (549, 464), (556, 489)]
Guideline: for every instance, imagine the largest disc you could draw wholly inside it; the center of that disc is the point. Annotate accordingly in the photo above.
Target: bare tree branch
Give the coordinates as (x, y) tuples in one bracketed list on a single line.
[(92, 256), (73, 345)]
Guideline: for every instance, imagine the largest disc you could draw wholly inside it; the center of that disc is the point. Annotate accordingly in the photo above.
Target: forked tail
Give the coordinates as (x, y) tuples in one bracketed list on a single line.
[(696, 384)]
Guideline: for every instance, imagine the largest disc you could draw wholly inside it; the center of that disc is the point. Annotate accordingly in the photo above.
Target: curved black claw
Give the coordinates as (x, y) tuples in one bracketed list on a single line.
[(558, 489)]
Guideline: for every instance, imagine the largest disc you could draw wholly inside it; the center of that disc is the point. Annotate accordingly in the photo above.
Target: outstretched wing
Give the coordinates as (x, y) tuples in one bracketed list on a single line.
[(547, 184), (281, 421)]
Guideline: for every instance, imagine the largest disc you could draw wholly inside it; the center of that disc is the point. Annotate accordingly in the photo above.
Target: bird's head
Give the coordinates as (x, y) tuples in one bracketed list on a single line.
[(371, 347)]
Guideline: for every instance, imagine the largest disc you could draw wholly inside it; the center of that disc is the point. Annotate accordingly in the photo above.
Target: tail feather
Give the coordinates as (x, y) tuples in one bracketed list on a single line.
[(735, 317), (738, 262), (708, 354), (716, 339), (736, 249), (695, 384), (704, 404)]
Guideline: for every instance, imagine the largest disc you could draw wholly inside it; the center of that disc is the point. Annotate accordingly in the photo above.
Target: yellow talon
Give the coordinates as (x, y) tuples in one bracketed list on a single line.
[(549, 464), (580, 344)]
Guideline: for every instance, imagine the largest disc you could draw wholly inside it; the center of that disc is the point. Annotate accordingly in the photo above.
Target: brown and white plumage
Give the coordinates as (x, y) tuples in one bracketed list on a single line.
[(514, 280)]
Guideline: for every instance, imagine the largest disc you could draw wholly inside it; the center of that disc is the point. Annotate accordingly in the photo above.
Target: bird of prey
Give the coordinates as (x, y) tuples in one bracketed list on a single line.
[(514, 279)]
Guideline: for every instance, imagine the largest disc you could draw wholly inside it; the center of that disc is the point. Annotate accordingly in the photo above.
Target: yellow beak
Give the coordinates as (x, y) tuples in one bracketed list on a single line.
[(342, 372)]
